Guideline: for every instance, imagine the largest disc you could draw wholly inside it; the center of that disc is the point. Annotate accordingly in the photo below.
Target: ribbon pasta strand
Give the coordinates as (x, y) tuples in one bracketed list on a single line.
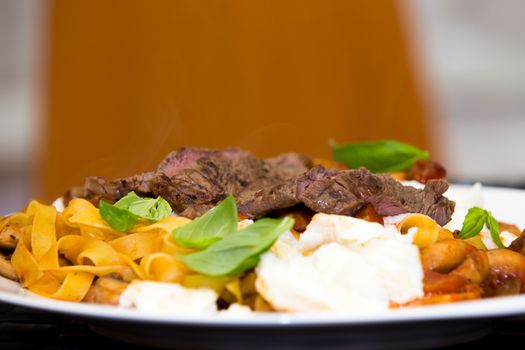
[(60, 254)]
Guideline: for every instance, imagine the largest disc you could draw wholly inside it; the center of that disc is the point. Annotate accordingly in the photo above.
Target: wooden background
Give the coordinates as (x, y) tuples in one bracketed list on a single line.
[(128, 81)]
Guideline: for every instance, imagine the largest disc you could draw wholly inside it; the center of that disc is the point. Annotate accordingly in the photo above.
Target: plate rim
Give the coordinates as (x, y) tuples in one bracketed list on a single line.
[(486, 308)]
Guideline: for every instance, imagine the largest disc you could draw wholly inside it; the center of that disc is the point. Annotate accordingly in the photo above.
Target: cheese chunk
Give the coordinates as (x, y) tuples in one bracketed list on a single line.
[(170, 298), (341, 265)]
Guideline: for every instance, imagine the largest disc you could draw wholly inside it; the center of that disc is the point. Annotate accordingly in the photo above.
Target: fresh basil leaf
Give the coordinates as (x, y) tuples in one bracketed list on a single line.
[(378, 157), (160, 210), (151, 209), (142, 208), (240, 251), (209, 228), (473, 222), (118, 218), (493, 226), (126, 201), (119, 215)]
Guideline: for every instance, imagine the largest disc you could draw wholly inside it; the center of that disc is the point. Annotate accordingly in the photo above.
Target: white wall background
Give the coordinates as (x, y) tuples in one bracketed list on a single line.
[(474, 54), (20, 31), (20, 22)]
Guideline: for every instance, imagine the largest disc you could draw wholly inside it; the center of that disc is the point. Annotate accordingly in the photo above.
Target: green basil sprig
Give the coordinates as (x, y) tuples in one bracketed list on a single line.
[(240, 251), (209, 228), (378, 157), (120, 219), (474, 221), (126, 212)]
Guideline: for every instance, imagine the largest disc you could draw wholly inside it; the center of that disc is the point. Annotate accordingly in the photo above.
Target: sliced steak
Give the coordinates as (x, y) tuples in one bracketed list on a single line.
[(97, 188), (320, 190), (194, 180), (186, 157), (345, 192), (265, 197), (276, 189)]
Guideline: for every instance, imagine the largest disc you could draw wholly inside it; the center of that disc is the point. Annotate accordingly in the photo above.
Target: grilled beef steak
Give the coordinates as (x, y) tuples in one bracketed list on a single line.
[(345, 192), (194, 180), (98, 188)]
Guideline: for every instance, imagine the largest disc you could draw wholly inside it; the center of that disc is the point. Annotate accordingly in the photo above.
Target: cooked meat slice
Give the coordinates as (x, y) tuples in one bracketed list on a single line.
[(186, 177), (186, 157), (188, 195), (195, 180), (345, 192), (97, 188), (320, 190), (266, 197)]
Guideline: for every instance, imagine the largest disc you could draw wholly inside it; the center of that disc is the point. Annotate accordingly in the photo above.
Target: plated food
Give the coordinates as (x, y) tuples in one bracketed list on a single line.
[(213, 232)]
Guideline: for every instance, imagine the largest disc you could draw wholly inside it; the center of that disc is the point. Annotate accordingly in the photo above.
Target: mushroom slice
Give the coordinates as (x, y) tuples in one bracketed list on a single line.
[(6, 269), (106, 290), (9, 237)]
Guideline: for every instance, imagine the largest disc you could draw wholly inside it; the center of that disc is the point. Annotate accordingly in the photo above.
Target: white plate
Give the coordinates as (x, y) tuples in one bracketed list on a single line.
[(423, 327)]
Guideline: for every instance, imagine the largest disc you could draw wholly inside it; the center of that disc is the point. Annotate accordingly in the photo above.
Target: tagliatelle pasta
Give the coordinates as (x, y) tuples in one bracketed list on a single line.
[(163, 267), (90, 248)]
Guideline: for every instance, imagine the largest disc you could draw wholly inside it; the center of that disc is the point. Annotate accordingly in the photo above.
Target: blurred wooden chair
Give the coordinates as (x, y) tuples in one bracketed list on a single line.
[(128, 81)]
